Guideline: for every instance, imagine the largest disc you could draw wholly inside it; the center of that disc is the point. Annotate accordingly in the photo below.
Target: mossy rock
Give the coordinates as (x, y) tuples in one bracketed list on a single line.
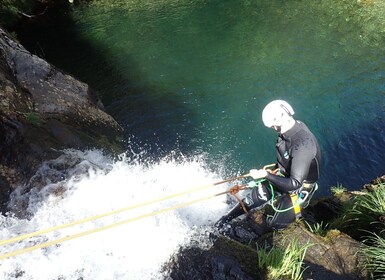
[(335, 256)]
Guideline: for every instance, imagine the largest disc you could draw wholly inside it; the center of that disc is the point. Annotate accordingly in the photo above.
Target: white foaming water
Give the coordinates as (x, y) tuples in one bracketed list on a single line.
[(135, 250)]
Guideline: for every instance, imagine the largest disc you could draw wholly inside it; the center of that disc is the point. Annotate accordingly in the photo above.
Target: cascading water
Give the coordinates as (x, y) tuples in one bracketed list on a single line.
[(96, 185)]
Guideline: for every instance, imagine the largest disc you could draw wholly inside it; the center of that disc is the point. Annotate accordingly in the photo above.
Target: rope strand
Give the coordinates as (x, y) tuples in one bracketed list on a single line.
[(70, 237)]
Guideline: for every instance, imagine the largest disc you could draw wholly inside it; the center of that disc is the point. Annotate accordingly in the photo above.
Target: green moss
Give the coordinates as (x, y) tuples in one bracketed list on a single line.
[(332, 234), (33, 118)]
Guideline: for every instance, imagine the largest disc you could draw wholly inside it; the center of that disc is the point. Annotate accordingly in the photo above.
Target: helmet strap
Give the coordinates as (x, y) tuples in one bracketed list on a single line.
[(277, 128)]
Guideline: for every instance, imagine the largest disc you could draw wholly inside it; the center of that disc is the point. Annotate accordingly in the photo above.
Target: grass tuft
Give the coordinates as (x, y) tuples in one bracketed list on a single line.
[(318, 228), (283, 263), (374, 254), (337, 190), (367, 212)]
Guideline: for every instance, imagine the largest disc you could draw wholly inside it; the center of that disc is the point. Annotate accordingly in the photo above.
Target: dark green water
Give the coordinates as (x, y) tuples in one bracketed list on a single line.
[(194, 76)]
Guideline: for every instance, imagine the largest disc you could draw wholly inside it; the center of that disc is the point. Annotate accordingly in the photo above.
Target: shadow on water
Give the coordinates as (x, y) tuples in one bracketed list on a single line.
[(158, 121), (54, 37), (353, 160)]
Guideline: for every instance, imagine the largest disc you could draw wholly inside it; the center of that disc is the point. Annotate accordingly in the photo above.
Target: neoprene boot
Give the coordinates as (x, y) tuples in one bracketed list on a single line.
[(236, 211), (256, 198)]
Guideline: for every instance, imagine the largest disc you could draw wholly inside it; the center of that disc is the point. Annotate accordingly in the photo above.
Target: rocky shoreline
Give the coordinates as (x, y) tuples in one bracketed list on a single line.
[(43, 111)]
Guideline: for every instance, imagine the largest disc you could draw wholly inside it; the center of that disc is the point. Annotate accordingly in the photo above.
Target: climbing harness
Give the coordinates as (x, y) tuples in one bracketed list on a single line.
[(295, 201), (232, 191), (297, 198)]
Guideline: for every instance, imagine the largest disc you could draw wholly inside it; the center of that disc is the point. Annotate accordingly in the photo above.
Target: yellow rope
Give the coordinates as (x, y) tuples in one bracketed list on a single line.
[(44, 231), (70, 237)]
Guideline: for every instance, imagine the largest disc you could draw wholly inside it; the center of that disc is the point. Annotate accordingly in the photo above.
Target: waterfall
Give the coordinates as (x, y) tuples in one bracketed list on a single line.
[(97, 184)]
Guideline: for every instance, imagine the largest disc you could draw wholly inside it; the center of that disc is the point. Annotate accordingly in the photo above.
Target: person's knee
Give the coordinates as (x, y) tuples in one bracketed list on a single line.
[(261, 194), (284, 214)]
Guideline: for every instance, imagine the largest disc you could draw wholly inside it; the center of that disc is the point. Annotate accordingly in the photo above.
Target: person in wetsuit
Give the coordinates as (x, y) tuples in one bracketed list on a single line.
[(292, 181)]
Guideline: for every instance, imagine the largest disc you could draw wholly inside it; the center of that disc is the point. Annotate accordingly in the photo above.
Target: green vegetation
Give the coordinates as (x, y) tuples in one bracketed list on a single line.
[(33, 118), (366, 212), (337, 190), (375, 256), (282, 263), (363, 213), (318, 228)]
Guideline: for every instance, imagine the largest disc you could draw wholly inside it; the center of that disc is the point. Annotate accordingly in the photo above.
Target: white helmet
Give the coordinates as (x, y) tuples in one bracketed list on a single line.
[(277, 113)]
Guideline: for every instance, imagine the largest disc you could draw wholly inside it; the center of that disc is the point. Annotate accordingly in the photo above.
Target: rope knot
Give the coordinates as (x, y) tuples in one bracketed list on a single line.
[(234, 190)]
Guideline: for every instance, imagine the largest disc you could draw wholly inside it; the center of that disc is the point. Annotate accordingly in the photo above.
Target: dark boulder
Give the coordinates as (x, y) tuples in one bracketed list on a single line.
[(334, 256), (226, 259), (234, 253), (43, 111)]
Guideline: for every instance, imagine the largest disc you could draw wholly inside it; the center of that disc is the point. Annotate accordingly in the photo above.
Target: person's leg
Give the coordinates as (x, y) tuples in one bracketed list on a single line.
[(255, 198), (284, 212)]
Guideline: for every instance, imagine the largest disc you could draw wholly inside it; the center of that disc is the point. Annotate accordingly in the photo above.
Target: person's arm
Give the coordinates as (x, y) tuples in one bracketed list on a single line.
[(283, 184), (302, 156)]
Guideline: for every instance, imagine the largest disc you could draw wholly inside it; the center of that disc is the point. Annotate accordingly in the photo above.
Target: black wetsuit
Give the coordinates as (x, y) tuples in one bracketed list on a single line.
[(298, 160)]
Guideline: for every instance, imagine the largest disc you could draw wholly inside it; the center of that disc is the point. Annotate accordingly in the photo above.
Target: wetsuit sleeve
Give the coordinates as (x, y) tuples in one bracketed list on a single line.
[(302, 155), (283, 184)]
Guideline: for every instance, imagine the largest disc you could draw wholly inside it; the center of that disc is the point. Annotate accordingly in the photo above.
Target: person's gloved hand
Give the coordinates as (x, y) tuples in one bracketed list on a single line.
[(258, 173), (251, 184)]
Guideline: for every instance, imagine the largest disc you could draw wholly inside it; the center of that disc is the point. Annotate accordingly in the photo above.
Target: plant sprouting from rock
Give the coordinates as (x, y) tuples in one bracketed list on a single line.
[(283, 262), (318, 228), (374, 254), (366, 212), (337, 190)]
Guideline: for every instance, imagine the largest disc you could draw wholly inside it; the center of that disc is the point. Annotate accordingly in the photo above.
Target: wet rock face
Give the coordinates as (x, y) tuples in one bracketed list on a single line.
[(42, 111), (234, 253), (195, 263), (53, 94), (224, 260), (5, 191), (334, 256)]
